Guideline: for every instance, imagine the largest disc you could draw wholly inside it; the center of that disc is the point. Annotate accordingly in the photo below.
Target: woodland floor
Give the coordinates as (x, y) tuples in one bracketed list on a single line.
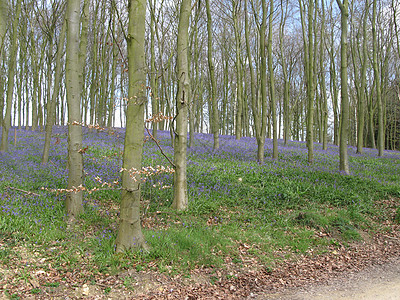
[(362, 270), (282, 230)]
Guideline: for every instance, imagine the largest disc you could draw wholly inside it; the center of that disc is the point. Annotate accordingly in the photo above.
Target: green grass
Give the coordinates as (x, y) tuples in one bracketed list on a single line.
[(237, 209)]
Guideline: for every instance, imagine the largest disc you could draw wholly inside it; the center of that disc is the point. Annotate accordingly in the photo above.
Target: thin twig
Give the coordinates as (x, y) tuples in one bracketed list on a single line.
[(390, 237), (22, 191), (159, 146)]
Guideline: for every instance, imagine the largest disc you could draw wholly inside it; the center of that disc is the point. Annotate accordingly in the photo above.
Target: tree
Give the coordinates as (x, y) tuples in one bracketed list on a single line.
[(360, 80), (73, 201), (236, 5), (259, 111), (3, 23), (344, 115), (11, 79), (381, 134), (180, 201), (153, 71), (51, 106), (308, 42), (214, 104), (129, 232), (272, 83), (286, 79), (3, 30), (324, 102)]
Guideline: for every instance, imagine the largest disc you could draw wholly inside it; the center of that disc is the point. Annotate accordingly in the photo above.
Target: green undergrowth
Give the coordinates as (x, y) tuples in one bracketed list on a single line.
[(237, 210)]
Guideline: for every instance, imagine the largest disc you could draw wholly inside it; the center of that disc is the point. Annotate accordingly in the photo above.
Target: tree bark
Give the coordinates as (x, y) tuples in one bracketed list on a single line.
[(51, 106), (180, 201), (129, 232), (73, 201), (214, 103), (153, 71), (11, 74), (309, 67), (239, 87), (381, 133), (272, 85), (344, 116)]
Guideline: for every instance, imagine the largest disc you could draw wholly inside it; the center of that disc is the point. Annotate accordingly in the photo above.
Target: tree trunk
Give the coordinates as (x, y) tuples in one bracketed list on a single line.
[(239, 100), (363, 75), (180, 201), (381, 134), (344, 116), (309, 67), (3, 30), (255, 108), (11, 74), (324, 104), (75, 161), (286, 82), (214, 103), (153, 72), (51, 106), (272, 86), (130, 232), (82, 56)]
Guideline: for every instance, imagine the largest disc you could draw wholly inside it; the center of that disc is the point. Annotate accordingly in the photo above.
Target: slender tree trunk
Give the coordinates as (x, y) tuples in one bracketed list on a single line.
[(3, 30), (344, 116), (324, 104), (11, 74), (214, 103), (309, 67), (153, 72), (82, 56), (3, 24), (253, 94), (363, 75), (51, 106), (75, 161), (381, 133), (272, 86), (130, 232), (310, 84), (286, 82), (180, 201), (239, 87), (263, 85)]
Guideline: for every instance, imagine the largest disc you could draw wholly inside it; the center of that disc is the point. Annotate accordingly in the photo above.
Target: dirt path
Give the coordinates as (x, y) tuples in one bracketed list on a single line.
[(380, 282)]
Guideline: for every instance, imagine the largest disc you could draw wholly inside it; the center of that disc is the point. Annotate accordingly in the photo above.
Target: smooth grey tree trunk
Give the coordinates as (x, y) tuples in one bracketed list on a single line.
[(214, 103), (129, 232), (11, 75), (51, 107), (180, 201), (3, 30), (272, 86), (73, 201), (344, 116), (153, 72), (239, 100), (381, 133)]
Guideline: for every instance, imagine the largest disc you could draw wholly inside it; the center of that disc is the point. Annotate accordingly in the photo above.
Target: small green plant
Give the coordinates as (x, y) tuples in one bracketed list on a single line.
[(35, 291), (52, 284), (129, 282)]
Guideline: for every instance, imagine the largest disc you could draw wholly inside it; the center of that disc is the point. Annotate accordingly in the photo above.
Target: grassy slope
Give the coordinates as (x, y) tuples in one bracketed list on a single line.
[(235, 204)]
